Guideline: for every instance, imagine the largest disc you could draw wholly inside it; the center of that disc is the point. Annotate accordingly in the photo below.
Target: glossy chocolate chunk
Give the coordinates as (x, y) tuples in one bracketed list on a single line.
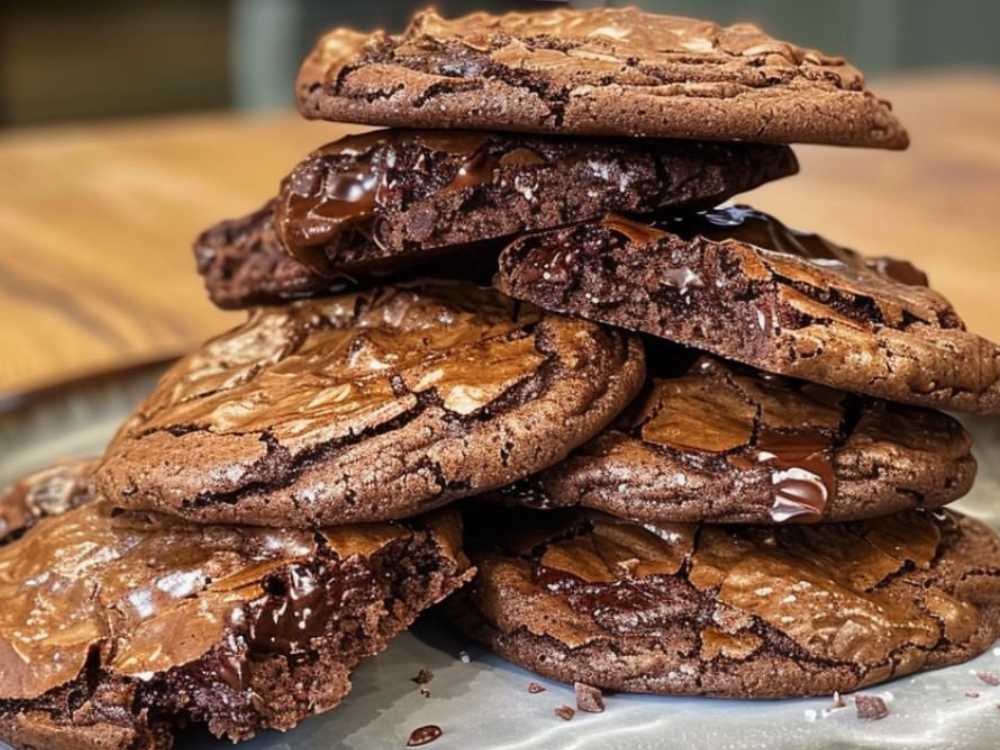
[(44, 493), (597, 71), (369, 406), (739, 283), (384, 201), (717, 442), (739, 611), (118, 628)]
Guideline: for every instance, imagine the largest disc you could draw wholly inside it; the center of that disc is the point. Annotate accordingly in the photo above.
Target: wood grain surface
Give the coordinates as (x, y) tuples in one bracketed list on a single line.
[(96, 221)]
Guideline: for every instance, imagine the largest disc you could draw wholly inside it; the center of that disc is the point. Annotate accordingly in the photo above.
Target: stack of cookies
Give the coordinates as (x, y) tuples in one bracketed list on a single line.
[(698, 452)]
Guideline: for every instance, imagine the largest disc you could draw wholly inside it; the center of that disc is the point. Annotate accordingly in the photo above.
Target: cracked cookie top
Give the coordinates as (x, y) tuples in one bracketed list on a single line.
[(739, 283), (119, 626), (382, 201), (369, 406), (599, 71), (48, 492), (712, 609), (718, 442)]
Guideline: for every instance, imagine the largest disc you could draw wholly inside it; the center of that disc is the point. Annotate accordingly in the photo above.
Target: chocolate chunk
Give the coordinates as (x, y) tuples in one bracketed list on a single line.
[(740, 284), (423, 677), (119, 627), (565, 713), (599, 71), (367, 407), (990, 678), (424, 735), (380, 203), (738, 611), (871, 707), (714, 441), (49, 492), (588, 698), (535, 688)]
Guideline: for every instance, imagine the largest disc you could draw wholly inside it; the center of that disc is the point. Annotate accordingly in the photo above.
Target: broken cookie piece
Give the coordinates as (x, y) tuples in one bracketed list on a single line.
[(740, 284), (119, 627)]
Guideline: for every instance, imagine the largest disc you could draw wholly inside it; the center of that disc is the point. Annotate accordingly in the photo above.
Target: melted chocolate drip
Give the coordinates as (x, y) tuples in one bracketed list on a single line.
[(633, 231), (802, 474), (288, 620), (320, 203)]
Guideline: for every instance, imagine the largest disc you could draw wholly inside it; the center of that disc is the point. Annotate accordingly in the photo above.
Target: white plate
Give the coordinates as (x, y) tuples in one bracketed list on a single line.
[(485, 703)]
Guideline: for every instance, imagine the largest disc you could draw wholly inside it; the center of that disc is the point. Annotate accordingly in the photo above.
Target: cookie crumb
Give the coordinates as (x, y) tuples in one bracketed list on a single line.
[(565, 713), (425, 692), (424, 735), (588, 698), (838, 701), (870, 707), (971, 694), (464, 656), (990, 678), (534, 687), (423, 677)]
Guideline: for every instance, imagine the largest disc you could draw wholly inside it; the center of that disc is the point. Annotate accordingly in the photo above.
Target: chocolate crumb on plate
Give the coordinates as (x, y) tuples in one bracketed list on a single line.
[(871, 707), (423, 677), (424, 735), (565, 713), (971, 694), (534, 687), (588, 698)]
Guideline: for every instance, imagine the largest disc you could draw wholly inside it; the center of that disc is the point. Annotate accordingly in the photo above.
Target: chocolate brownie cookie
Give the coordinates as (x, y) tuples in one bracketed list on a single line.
[(601, 71), (369, 406), (726, 444), (739, 283), (48, 492), (740, 611), (118, 627), (382, 201)]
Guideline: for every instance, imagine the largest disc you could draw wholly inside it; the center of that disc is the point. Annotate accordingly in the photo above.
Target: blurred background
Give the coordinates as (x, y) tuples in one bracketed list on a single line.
[(64, 60), (129, 126)]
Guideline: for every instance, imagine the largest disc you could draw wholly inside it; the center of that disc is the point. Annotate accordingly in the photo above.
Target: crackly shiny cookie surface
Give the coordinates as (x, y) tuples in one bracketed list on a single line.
[(146, 621), (369, 406), (599, 71), (723, 443), (741, 284), (745, 611), (379, 202), (48, 492)]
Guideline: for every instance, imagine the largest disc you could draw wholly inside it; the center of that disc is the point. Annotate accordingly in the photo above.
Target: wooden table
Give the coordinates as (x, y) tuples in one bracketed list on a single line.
[(96, 221)]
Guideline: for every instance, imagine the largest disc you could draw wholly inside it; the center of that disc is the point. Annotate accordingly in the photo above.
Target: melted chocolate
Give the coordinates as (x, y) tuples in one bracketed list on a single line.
[(169, 593), (290, 618), (424, 735), (745, 224), (340, 189), (633, 231), (802, 474)]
